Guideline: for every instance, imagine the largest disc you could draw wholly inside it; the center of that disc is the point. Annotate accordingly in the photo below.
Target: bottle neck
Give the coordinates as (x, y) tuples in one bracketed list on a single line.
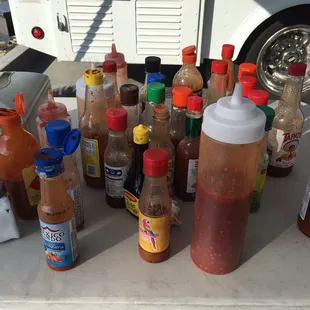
[(161, 129), (146, 76), (193, 124), (187, 65), (156, 181), (95, 101), (178, 119), (117, 140), (113, 77), (137, 162)]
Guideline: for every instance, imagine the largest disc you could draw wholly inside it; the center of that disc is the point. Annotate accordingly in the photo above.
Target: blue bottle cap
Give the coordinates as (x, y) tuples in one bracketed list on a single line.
[(48, 162), (56, 132), (71, 142), (156, 77)]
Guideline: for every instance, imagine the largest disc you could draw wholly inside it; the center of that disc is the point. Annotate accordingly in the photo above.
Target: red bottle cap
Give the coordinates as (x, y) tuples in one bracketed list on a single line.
[(180, 95), (117, 119), (228, 51), (155, 162), (248, 83), (188, 54), (258, 96), (297, 69), (219, 66), (109, 66), (246, 68), (194, 103)]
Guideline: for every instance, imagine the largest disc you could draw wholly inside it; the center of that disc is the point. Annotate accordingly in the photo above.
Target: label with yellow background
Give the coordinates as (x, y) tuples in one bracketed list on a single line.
[(132, 203), (90, 153), (154, 233), (32, 185)]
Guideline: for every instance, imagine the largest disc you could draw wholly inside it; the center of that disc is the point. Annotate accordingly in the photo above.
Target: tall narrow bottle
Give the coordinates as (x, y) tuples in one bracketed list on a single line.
[(227, 55), (109, 68), (288, 123)]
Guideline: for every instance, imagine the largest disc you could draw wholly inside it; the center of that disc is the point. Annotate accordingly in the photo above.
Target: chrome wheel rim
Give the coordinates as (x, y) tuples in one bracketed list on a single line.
[(288, 45)]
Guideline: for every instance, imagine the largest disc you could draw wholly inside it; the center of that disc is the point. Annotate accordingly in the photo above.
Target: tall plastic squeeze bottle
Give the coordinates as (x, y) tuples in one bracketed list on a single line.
[(227, 55), (230, 147)]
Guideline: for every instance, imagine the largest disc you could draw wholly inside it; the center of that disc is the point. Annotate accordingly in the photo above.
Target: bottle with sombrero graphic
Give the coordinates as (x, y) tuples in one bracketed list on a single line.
[(283, 140)]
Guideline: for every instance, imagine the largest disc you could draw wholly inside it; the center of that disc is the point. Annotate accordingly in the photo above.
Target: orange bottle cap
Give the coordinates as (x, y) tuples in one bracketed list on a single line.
[(188, 54), (180, 96), (247, 68)]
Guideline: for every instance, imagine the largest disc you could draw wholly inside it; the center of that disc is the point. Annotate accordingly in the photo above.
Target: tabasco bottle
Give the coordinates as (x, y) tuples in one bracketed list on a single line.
[(283, 140)]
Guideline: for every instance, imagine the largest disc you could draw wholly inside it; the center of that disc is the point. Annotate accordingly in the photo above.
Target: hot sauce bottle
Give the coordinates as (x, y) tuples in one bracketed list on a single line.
[(227, 55), (154, 208), (187, 152), (288, 123), (247, 69), (248, 84)]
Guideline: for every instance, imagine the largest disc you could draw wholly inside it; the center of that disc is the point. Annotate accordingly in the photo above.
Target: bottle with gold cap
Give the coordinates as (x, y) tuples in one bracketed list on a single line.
[(94, 133), (134, 182)]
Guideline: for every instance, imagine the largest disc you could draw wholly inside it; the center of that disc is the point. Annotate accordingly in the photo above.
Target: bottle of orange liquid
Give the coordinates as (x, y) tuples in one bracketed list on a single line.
[(227, 55)]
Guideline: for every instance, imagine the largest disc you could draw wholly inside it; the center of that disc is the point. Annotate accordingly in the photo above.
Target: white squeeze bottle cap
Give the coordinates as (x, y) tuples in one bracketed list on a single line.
[(234, 119)]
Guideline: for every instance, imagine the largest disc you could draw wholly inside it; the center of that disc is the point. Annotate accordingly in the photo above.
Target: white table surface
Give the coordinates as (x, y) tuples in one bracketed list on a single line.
[(274, 273)]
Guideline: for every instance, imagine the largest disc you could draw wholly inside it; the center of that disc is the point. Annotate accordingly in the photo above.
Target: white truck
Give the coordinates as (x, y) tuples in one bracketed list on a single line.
[(271, 33)]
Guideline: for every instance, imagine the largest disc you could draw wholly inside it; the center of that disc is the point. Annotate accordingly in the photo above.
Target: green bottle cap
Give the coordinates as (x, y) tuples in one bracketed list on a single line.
[(156, 92), (269, 112)]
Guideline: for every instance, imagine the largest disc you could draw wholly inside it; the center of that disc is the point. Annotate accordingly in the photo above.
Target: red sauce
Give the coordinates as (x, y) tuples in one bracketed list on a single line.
[(219, 231)]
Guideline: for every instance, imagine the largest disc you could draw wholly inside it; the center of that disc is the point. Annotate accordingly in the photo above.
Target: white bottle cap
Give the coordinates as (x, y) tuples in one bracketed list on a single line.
[(234, 120)]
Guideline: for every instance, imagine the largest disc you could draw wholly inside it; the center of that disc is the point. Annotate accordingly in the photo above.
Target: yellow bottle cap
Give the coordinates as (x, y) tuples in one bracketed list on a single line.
[(93, 77), (141, 134)]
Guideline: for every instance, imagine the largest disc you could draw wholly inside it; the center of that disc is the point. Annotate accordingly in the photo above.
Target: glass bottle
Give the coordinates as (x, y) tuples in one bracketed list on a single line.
[(93, 130), (263, 161), (17, 170), (259, 97), (134, 181), (187, 152), (288, 123), (56, 212), (109, 69), (230, 146), (161, 139), (227, 55), (218, 81), (248, 83), (57, 132), (129, 95), (189, 75), (154, 208), (155, 96), (117, 157), (180, 95), (246, 69), (303, 220)]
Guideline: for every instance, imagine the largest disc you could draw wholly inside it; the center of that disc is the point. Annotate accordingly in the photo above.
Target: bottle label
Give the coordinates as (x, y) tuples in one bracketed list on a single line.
[(132, 203), (305, 202), (32, 185), (192, 176), (154, 233), (76, 196), (198, 92), (60, 243), (90, 153), (114, 180), (170, 176), (284, 151)]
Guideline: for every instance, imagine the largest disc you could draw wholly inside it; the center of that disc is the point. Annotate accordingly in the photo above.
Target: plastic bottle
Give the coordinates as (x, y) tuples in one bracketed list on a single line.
[(189, 75), (57, 132), (180, 95), (218, 81), (187, 152), (230, 146), (117, 157), (119, 58), (48, 112), (227, 55), (93, 130), (17, 147), (248, 84), (161, 139), (129, 94), (154, 208), (246, 69), (259, 97), (134, 181), (56, 212), (288, 123), (110, 70), (155, 96), (263, 161)]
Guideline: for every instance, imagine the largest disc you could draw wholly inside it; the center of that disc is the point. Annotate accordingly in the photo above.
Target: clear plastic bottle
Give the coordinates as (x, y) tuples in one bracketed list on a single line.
[(117, 157), (230, 147), (110, 70), (56, 212), (227, 55), (129, 95), (248, 84), (93, 130), (288, 123), (161, 139), (180, 95), (189, 75), (57, 132), (155, 208), (247, 69), (218, 81)]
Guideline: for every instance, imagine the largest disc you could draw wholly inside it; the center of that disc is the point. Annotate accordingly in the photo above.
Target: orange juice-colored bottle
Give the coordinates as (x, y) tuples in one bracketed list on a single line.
[(227, 55), (17, 147)]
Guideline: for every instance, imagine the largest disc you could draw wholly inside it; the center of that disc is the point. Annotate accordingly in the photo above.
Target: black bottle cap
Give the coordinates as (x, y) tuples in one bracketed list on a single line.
[(152, 64), (129, 94)]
